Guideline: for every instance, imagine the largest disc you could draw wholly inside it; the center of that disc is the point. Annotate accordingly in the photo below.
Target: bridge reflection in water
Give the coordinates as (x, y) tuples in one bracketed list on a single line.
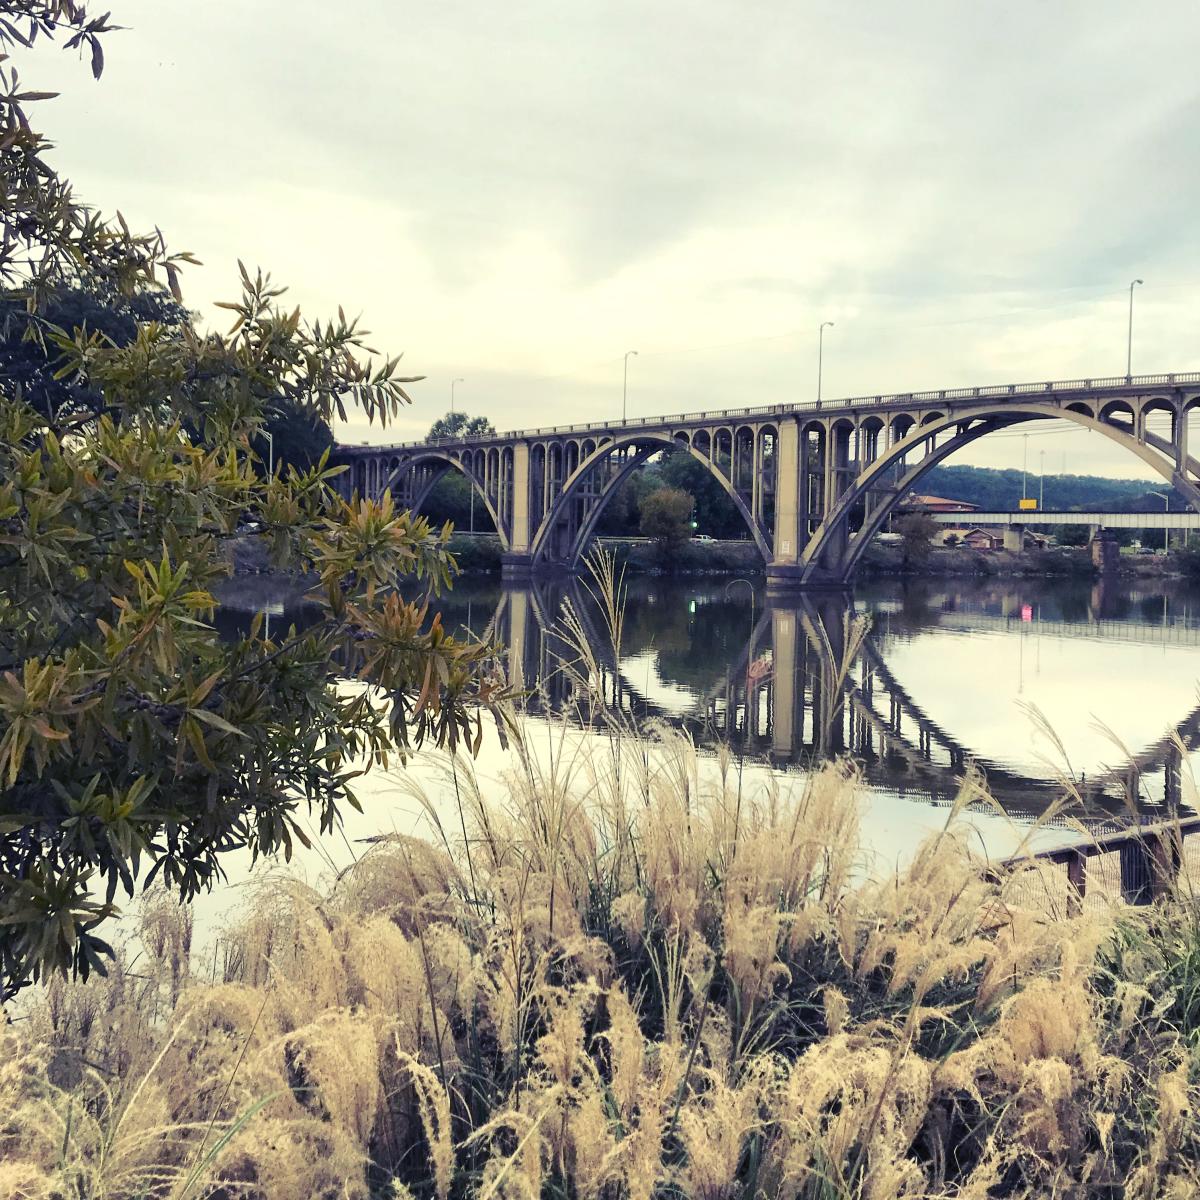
[(793, 682)]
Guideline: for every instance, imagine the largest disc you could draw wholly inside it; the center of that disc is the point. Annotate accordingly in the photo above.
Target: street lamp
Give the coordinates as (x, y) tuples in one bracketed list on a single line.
[(1041, 479), (625, 383), (821, 353), (452, 383), (270, 454), (1166, 499), (1129, 344)]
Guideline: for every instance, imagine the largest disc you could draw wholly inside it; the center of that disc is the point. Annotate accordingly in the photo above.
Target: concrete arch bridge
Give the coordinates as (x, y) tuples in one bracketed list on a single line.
[(813, 482)]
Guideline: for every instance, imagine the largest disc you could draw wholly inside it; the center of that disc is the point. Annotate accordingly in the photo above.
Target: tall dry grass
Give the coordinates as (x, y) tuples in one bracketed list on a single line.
[(632, 974)]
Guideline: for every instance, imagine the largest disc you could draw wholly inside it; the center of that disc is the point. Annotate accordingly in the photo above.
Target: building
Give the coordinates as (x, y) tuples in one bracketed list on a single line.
[(974, 538), (915, 502)]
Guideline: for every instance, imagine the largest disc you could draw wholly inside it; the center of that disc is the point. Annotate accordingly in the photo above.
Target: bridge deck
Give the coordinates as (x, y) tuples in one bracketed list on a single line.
[(1114, 386)]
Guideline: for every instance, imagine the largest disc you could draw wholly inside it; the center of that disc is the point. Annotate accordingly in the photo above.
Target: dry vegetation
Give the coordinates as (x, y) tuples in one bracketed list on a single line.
[(632, 977)]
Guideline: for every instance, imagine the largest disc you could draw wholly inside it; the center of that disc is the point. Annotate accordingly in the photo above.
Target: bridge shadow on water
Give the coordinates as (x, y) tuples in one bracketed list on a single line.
[(798, 681)]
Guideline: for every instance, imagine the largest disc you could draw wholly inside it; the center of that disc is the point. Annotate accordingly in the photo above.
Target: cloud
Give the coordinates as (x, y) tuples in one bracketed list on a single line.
[(518, 194)]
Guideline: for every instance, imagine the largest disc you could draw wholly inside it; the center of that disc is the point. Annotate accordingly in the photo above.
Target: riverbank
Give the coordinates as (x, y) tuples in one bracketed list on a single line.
[(254, 582)]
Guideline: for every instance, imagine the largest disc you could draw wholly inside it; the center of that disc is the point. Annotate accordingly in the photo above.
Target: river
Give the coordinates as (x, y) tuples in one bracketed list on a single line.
[(1041, 686)]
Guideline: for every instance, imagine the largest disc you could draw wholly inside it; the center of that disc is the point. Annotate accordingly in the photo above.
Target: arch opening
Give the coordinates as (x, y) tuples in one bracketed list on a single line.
[(833, 554), (572, 518), (440, 486)]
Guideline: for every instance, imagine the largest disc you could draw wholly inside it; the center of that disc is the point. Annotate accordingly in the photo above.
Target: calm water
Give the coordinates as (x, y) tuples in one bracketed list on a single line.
[(1030, 681)]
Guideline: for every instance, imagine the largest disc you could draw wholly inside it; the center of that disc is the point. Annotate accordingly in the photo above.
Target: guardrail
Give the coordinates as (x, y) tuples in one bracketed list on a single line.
[(1108, 383), (1151, 856)]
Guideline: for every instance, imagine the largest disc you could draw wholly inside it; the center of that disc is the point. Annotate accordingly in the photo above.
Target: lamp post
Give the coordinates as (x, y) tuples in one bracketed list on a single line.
[(1166, 499), (1129, 342), (270, 454), (1041, 479), (452, 383), (821, 354), (625, 383)]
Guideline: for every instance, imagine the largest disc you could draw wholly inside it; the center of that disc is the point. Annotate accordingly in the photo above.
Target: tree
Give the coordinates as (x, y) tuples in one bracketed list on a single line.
[(458, 425), (916, 532), (28, 362), (667, 519), (716, 513), (135, 744), (298, 437)]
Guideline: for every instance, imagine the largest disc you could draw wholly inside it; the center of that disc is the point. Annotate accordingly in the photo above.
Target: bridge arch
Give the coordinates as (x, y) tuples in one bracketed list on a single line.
[(414, 478), (575, 489), (970, 426)]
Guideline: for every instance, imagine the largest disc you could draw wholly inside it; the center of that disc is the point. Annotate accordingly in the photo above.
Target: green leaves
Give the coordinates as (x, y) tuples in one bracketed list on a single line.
[(137, 743)]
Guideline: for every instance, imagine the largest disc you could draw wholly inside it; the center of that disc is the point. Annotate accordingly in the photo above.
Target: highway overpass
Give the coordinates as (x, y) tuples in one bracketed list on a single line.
[(1102, 520)]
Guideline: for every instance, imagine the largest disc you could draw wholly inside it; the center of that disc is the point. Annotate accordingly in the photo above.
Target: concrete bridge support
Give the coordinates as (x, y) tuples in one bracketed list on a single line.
[(1106, 551), (517, 561)]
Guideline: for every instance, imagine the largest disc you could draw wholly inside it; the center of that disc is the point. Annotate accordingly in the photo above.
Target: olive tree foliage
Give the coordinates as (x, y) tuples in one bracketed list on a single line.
[(135, 745)]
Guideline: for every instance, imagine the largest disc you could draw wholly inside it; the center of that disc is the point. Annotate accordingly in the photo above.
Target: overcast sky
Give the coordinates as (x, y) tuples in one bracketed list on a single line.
[(517, 194)]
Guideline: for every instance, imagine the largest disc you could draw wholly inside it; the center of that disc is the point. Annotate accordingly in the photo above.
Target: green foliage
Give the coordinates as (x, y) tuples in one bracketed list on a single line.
[(999, 490), (454, 499), (715, 513), (916, 532), (459, 425), (28, 362), (667, 518), (297, 438), (134, 743)]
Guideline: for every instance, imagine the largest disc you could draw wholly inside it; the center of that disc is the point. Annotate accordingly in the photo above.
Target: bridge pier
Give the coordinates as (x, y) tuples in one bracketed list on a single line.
[(1106, 551)]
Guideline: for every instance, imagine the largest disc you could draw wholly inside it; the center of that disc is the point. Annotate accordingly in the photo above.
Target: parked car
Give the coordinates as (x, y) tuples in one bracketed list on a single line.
[(702, 537)]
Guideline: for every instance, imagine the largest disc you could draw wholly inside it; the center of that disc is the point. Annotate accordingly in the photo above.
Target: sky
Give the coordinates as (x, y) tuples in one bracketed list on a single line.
[(516, 195)]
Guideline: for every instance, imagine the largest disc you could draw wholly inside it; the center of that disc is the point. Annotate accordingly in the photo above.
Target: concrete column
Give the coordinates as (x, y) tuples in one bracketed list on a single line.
[(1013, 538), (783, 651), (788, 504), (756, 475), (520, 536), (1181, 443), (517, 561), (831, 456)]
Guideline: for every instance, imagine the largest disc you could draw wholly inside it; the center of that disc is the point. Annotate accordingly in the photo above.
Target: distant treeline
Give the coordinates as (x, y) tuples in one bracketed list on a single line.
[(991, 489)]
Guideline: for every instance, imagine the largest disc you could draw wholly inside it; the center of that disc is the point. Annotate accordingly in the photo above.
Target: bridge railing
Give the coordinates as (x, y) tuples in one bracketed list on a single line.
[(991, 391), (1150, 860)]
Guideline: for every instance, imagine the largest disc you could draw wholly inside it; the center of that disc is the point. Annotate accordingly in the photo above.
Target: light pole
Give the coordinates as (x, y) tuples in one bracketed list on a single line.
[(1129, 343), (1042, 479), (452, 383), (625, 383), (821, 354), (1166, 499), (270, 454), (1024, 464)]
